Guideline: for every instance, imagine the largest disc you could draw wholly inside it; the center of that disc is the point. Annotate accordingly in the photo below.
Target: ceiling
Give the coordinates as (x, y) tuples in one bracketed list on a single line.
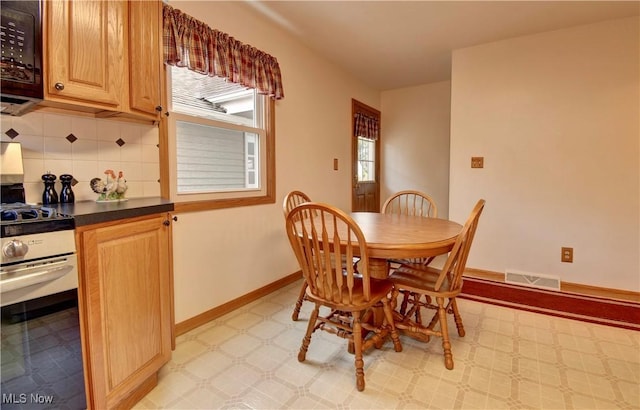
[(395, 44)]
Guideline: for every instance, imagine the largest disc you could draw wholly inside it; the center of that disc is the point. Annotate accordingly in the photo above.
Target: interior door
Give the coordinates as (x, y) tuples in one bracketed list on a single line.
[(365, 163)]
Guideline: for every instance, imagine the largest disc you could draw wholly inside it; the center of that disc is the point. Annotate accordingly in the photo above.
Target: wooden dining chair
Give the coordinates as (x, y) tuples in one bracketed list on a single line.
[(438, 284), (411, 202), (415, 203), (320, 234), (291, 200)]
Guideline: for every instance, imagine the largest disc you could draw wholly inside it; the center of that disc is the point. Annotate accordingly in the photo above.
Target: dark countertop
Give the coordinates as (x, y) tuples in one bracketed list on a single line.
[(91, 212)]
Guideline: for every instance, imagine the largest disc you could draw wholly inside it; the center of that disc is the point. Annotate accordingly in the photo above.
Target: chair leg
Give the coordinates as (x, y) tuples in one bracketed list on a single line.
[(457, 318), (388, 313), (301, 298), (394, 297), (302, 354), (405, 301), (434, 320), (357, 344), (394, 303), (418, 314), (446, 344)]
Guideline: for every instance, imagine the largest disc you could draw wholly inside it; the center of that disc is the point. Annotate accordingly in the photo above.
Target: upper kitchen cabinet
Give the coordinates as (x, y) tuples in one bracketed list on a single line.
[(103, 57), (145, 62), (85, 52)]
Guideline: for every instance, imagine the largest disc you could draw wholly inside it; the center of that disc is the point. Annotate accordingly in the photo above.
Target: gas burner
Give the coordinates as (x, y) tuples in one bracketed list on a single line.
[(22, 212), (21, 219)]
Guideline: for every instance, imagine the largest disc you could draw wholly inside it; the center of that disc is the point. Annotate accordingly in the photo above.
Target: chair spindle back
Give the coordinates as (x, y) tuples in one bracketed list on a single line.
[(320, 235), (411, 202), (457, 260)]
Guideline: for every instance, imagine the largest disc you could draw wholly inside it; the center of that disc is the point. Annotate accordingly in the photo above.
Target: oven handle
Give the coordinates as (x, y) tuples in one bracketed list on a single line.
[(46, 273)]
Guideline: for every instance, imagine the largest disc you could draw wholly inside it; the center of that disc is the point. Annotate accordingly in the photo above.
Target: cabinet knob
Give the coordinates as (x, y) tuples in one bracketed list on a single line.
[(59, 86), (158, 108), (167, 222)]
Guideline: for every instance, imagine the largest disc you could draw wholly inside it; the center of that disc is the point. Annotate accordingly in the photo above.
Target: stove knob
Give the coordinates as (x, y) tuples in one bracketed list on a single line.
[(15, 249)]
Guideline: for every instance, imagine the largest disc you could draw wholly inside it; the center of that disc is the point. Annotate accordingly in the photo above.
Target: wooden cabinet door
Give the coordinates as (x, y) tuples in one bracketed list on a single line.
[(85, 52), (145, 59), (126, 275)]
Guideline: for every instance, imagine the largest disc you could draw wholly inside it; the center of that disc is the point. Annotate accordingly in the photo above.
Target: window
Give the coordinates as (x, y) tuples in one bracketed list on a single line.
[(366, 160), (218, 130), (221, 141)]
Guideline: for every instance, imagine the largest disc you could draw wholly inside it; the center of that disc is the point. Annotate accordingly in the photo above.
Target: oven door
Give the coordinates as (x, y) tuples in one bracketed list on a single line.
[(41, 356), (33, 279)]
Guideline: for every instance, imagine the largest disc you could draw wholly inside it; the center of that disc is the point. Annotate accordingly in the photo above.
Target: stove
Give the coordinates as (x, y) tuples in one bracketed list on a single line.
[(37, 252), (37, 243), (38, 296)]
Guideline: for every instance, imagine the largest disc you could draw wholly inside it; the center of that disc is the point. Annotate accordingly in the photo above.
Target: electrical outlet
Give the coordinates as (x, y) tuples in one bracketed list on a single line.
[(567, 255), (335, 164), (477, 162)]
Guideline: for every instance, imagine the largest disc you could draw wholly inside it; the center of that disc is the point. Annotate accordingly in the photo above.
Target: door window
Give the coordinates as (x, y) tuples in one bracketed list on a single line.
[(366, 160)]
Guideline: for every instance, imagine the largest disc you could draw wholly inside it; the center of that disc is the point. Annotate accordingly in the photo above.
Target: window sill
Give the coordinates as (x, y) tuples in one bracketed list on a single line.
[(197, 206)]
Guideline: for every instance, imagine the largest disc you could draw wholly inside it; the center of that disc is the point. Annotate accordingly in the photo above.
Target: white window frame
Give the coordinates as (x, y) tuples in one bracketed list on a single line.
[(252, 160), (263, 191)]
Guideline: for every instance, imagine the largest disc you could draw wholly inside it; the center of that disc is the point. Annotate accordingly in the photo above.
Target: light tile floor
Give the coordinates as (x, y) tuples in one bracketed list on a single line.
[(509, 359)]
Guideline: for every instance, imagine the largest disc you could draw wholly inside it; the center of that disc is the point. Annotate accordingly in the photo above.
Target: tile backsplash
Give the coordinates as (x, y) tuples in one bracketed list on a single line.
[(84, 147)]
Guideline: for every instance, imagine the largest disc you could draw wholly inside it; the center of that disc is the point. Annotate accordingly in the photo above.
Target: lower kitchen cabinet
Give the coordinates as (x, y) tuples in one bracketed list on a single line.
[(126, 307)]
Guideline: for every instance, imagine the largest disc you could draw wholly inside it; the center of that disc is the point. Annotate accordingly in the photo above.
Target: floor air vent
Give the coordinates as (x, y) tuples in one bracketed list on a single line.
[(534, 280)]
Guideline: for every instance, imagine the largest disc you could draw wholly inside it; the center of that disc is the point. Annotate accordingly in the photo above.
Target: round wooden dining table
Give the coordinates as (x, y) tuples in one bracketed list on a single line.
[(394, 236)]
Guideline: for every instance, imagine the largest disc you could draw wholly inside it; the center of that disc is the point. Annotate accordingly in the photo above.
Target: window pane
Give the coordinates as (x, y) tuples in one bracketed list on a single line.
[(212, 97), (252, 159), (211, 158), (366, 160), (366, 149)]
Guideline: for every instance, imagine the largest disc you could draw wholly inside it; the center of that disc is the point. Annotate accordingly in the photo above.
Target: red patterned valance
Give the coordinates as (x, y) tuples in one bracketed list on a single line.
[(366, 126), (191, 43)]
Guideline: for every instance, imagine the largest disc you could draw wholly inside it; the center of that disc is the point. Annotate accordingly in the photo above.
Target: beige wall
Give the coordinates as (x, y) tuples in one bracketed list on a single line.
[(221, 255), (556, 116), (415, 141)]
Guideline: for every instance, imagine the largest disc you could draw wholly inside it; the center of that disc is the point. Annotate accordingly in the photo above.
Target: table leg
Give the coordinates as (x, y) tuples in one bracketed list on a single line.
[(378, 268)]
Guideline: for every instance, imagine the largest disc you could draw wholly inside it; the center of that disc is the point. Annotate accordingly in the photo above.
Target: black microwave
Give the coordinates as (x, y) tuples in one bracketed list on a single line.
[(21, 58)]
